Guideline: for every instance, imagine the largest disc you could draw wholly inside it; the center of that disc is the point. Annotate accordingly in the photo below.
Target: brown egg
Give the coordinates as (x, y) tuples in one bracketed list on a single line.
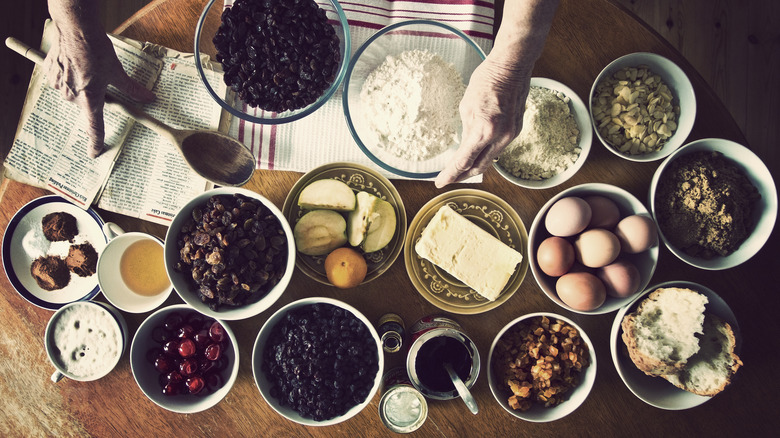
[(555, 256), (605, 213), (581, 291), (567, 217), (621, 278), (596, 248), (636, 233)]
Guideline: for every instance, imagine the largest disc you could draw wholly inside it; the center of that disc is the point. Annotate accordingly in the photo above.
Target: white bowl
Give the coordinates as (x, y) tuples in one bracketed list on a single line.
[(580, 113), (656, 391), (628, 204), (182, 282), (538, 413), (147, 377), (448, 42), (765, 214), (264, 385), (677, 81)]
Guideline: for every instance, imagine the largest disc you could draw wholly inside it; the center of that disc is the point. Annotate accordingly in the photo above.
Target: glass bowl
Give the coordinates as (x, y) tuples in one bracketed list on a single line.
[(206, 28), (448, 42)]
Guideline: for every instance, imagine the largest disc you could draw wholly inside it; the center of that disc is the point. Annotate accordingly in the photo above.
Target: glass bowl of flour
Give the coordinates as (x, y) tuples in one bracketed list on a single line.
[(401, 95)]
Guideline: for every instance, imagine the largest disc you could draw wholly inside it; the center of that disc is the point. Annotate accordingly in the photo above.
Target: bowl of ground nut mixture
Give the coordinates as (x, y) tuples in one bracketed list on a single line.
[(715, 203), (401, 95), (555, 139)]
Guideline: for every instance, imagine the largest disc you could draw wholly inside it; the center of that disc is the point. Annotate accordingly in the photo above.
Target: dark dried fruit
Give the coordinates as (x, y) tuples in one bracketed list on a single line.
[(232, 265), (278, 56), (308, 362)]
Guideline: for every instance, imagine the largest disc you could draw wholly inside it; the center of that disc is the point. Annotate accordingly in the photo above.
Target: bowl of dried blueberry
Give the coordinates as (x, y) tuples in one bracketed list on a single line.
[(317, 361), (182, 360), (281, 60), (229, 253)]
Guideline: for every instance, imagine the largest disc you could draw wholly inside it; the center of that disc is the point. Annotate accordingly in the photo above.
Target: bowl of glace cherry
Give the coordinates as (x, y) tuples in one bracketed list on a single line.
[(182, 360)]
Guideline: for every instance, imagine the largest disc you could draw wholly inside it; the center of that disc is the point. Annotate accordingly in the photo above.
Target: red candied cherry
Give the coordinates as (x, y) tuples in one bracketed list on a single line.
[(195, 384), (186, 332), (171, 348), (202, 338), (188, 367), (206, 365), (171, 388), (174, 377), (217, 332), (187, 348), (214, 381), (163, 364), (213, 352), (173, 321)]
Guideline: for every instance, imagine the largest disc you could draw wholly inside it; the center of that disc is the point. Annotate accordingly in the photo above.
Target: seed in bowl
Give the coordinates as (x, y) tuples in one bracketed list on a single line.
[(704, 204), (634, 110), (278, 56), (189, 356), (540, 361), (233, 249), (547, 145), (321, 361)]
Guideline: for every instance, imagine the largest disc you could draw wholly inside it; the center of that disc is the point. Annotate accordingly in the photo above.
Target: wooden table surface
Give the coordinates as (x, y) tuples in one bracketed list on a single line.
[(586, 35)]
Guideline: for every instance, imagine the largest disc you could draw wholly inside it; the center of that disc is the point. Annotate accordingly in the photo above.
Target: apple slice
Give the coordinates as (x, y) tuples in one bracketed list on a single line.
[(361, 217), (381, 229), (329, 194), (319, 232)]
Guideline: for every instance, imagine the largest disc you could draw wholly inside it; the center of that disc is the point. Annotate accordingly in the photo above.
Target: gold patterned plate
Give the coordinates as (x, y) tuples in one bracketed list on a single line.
[(359, 178), (490, 213)]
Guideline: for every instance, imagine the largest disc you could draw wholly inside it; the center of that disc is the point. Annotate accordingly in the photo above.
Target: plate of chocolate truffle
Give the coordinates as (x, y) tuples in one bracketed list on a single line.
[(50, 252)]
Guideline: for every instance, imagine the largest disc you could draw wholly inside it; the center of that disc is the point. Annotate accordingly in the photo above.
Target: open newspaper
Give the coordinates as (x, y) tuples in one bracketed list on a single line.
[(140, 174)]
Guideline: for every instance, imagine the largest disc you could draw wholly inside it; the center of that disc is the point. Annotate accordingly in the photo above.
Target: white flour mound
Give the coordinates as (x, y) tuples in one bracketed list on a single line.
[(411, 104)]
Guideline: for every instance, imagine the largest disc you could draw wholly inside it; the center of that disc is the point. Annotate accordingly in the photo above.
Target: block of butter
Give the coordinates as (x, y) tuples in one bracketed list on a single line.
[(469, 253)]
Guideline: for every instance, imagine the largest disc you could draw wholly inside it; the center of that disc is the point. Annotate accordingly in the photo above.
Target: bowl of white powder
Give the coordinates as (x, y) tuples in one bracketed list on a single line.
[(401, 95), (555, 139)]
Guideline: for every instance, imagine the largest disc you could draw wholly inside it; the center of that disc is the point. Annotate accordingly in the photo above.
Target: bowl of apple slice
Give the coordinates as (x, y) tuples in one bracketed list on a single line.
[(349, 205)]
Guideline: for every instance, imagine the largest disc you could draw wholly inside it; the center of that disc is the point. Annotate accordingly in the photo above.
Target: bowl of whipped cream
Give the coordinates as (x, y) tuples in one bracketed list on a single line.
[(401, 95)]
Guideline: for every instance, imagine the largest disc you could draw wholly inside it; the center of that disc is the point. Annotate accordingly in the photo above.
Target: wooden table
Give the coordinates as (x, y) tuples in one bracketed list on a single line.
[(586, 35)]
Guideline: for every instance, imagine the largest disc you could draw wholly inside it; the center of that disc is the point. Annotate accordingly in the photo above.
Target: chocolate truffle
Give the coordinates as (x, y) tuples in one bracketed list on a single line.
[(50, 272), (59, 226), (82, 259)]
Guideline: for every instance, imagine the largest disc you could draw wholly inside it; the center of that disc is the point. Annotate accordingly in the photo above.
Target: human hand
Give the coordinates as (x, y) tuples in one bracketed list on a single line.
[(492, 114), (81, 64)]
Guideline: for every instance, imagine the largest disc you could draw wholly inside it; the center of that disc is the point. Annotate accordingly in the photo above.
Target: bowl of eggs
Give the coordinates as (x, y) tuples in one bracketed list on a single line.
[(592, 248)]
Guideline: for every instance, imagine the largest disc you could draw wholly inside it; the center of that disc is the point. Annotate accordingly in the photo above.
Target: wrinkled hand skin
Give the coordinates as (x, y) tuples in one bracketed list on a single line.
[(492, 115), (493, 105), (81, 63)]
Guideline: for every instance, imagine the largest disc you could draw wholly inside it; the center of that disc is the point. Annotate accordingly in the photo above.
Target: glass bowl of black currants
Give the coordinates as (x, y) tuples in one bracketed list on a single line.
[(281, 60), (317, 361), (182, 360)]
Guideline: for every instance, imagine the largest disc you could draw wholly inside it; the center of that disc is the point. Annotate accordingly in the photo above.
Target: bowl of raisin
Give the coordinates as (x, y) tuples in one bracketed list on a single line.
[(281, 59), (317, 361), (182, 360), (229, 253)]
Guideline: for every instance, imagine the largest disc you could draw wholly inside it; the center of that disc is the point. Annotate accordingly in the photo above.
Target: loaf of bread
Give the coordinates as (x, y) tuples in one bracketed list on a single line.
[(661, 334), (709, 371)]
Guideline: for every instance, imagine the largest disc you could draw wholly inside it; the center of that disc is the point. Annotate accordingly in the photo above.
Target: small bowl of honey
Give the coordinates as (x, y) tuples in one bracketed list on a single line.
[(142, 284)]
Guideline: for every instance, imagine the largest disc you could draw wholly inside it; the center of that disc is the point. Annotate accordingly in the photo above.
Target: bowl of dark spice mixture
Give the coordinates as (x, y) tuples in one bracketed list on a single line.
[(715, 203), (282, 59)]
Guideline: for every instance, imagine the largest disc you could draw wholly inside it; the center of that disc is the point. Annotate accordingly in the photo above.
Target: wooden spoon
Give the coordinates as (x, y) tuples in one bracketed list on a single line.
[(213, 155)]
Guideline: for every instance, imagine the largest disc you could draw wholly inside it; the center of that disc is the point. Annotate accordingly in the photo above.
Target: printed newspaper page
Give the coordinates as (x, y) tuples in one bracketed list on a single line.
[(140, 174), (153, 166)]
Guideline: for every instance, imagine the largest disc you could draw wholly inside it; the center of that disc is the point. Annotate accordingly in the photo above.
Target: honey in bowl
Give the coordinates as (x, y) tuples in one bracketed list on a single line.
[(142, 268)]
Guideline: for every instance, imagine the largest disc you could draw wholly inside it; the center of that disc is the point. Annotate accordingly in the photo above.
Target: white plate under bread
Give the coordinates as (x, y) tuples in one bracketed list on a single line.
[(656, 391)]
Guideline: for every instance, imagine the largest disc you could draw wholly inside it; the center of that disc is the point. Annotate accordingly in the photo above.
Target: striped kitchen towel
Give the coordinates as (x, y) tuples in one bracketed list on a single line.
[(323, 137)]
